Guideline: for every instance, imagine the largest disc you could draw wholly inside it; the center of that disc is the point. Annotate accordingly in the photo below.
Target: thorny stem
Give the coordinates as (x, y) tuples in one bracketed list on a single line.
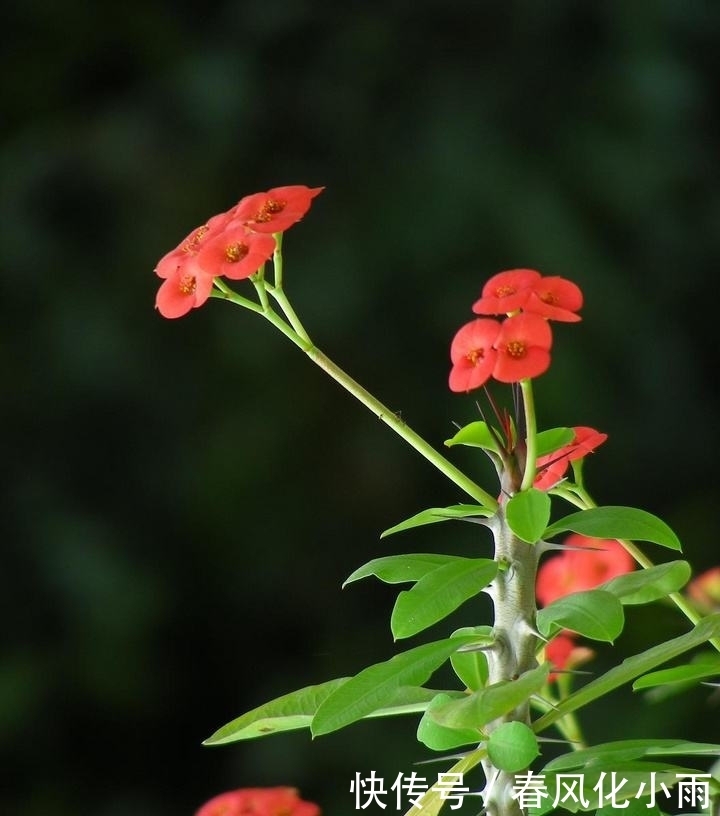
[(513, 596)]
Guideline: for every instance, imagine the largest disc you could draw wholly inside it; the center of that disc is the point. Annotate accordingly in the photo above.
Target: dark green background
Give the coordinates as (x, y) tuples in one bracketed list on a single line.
[(184, 498)]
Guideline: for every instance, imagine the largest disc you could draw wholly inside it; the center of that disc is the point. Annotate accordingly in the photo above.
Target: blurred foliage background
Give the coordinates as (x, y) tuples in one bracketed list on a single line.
[(184, 498)]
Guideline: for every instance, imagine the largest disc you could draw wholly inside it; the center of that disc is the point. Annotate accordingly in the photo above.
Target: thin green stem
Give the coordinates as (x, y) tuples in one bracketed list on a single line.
[(258, 281), (401, 428), (223, 292), (278, 260), (298, 335), (281, 298), (579, 496), (530, 434)]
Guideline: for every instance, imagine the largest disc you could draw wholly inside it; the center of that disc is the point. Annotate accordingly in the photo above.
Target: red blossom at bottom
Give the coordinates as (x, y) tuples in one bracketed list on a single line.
[(259, 802)]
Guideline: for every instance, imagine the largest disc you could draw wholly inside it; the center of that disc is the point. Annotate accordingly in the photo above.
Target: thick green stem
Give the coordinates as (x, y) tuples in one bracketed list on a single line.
[(513, 596)]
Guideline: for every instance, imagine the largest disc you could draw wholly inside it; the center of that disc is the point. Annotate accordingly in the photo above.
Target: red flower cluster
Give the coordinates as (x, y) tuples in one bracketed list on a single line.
[(519, 346), (234, 245), (577, 570), (552, 467), (259, 802)]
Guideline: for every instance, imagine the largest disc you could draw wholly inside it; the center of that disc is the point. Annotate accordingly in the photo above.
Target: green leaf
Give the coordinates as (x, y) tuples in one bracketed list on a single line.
[(481, 707), (475, 435), (549, 441), (286, 713), (437, 514), (636, 807), (688, 673), (620, 751), (398, 569), (432, 801), (439, 593), (631, 668), (472, 667), (617, 522), (647, 585), (438, 737), (512, 746), (594, 613), (375, 688), (528, 513)]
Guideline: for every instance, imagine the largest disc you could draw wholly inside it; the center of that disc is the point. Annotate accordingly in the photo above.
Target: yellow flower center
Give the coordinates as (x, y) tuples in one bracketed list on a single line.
[(270, 208), (187, 284), (236, 252), (474, 356), (516, 349)]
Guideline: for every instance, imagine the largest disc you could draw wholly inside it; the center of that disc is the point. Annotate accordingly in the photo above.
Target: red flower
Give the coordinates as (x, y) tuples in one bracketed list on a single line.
[(235, 253), (190, 245), (552, 467), (185, 288), (523, 348), (275, 210), (473, 355), (506, 292), (555, 299), (259, 802), (577, 571), (705, 590)]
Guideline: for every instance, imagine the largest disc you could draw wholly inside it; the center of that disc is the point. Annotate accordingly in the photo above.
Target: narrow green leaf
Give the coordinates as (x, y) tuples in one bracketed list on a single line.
[(398, 569), (286, 713), (439, 593), (594, 613), (437, 514), (617, 522), (610, 753), (475, 435), (631, 668), (512, 746), (528, 513), (635, 807), (647, 585), (375, 688), (432, 801), (437, 737), (688, 673), (481, 707), (549, 441), (472, 667)]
